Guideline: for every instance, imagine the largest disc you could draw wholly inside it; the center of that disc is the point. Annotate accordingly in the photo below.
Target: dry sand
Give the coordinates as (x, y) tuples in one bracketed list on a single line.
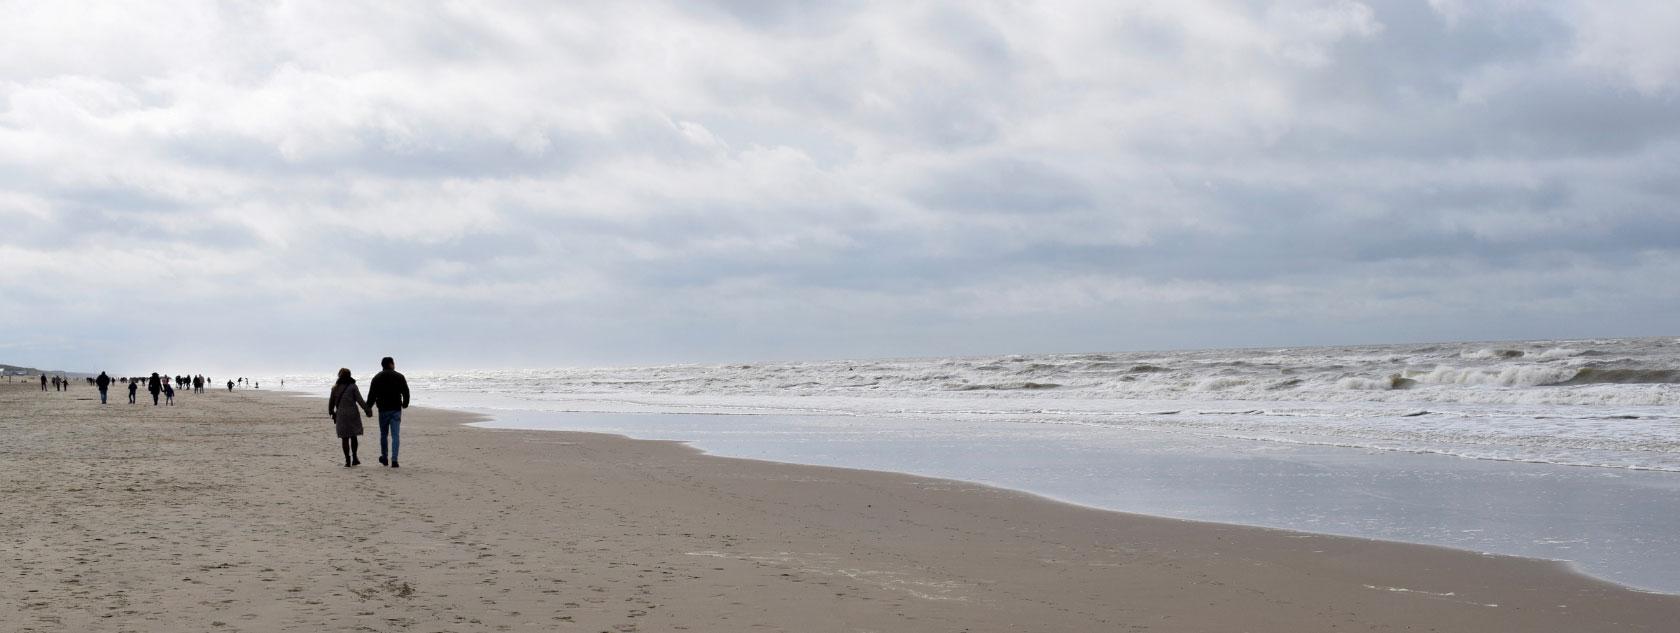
[(231, 512)]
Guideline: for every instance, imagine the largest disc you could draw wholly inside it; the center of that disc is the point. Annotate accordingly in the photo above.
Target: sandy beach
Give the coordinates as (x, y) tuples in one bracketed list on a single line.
[(233, 512)]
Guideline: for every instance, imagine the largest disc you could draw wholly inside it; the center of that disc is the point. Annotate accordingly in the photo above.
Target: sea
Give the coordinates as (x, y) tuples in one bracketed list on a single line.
[(1560, 449)]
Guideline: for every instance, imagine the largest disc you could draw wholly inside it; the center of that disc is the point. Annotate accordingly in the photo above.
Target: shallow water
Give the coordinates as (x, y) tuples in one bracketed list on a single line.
[(1613, 524)]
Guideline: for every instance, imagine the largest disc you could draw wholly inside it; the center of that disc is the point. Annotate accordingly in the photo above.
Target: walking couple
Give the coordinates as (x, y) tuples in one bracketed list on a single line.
[(389, 392)]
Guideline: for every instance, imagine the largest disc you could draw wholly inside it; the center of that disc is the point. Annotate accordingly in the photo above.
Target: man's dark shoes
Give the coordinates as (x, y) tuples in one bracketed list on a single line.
[(382, 461), (356, 462), (393, 463)]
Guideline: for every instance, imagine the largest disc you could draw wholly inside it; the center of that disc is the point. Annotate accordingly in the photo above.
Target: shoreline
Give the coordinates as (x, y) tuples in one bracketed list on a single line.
[(1591, 522), (485, 418), (1565, 565), (544, 530)]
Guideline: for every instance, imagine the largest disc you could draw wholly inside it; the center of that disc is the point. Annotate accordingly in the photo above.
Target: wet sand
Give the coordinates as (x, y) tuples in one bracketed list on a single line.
[(231, 511)]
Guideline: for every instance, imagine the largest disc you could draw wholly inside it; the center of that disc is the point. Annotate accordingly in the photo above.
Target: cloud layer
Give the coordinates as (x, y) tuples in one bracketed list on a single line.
[(297, 185)]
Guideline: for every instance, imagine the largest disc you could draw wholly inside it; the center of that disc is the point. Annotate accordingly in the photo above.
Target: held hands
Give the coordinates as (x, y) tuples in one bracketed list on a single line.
[(368, 411)]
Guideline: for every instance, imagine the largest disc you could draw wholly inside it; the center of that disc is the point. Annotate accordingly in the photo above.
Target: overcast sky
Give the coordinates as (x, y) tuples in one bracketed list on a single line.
[(250, 186)]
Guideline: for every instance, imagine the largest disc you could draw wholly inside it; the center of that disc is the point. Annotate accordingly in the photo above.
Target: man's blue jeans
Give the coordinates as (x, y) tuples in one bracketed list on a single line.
[(390, 423), (102, 395)]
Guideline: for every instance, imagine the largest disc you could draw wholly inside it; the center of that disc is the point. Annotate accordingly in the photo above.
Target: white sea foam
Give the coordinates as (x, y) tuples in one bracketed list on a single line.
[(1604, 403)]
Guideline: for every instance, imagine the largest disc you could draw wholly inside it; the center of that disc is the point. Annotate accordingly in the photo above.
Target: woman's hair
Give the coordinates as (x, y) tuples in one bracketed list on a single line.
[(344, 375)]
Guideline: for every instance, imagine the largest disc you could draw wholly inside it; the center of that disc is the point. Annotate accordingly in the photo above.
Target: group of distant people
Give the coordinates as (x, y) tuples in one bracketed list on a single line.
[(389, 392), (156, 384), (197, 382)]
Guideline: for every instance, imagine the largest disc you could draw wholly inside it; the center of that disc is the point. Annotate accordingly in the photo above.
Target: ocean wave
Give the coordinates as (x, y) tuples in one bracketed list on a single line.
[(1013, 386), (1432, 396), (1599, 376), (1393, 381), (1493, 353), (1221, 383), (1498, 375)]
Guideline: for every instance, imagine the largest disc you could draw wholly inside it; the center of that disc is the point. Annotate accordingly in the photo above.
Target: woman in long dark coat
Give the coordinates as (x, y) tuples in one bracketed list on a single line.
[(346, 407)]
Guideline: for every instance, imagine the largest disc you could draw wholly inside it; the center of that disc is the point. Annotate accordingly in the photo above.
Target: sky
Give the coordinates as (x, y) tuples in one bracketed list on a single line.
[(297, 186)]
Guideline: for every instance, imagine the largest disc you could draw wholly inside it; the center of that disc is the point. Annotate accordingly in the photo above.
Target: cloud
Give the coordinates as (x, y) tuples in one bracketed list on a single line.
[(1632, 43), (286, 184)]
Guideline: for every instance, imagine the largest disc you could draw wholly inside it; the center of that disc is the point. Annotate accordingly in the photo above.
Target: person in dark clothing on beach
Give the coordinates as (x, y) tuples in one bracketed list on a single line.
[(168, 393), (230, 385), (346, 407), (154, 385), (43, 382), (133, 388), (103, 382), (389, 391)]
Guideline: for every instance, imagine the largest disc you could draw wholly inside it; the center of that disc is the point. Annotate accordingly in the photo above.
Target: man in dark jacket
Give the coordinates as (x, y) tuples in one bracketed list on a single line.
[(103, 382), (389, 391)]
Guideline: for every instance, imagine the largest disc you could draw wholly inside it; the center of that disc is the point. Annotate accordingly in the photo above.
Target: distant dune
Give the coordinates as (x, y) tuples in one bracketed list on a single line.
[(14, 370)]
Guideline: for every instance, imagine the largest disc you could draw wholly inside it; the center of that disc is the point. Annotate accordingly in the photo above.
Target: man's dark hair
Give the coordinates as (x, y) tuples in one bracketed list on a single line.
[(387, 362)]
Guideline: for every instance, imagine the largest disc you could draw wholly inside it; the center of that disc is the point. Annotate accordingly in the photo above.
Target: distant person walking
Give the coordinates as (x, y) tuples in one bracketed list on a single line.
[(389, 390), (168, 393), (346, 407), (133, 388), (103, 382), (230, 385), (154, 385), (43, 382)]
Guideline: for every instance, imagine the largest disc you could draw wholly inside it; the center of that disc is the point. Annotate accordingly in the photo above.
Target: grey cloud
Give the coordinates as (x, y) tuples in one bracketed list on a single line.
[(784, 15), (1003, 186), (436, 154), (1420, 54), (526, 183)]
